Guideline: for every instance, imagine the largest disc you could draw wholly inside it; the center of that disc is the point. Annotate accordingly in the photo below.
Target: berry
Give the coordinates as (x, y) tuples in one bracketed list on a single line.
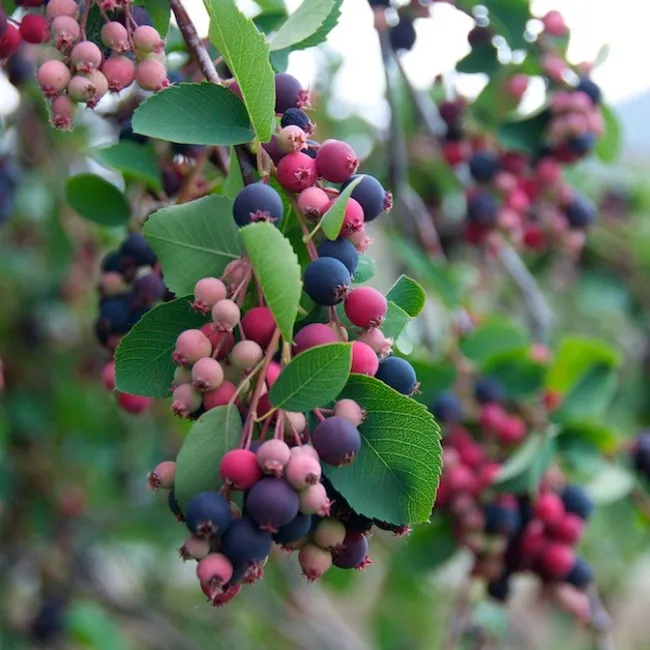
[(246, 354), (511, 430), (194, 548), (223, 598), (339, 249), (402, 36), (364, 359), (483, 166), (577, 501), (244, 542), (214, 571), (88, 89), (592, 90), (186, 400), (289, 93), (3, 23), (549, 508), (115, 312), (207, 374), (115, 37), (134, 404), (302, 470), (582, 144), (182, 375), (398, 374), (352, 219), (136, 247), (500, 519), (108, 375), (488, 390), (353, 552), (10, 42), (119, 71), (314, 561), (272, 503), (307, 450), (141, 16), (63, 112), (53, 77), (34, 28), (240, 468), (350, 411), (580, 213), (297, 117), (296, 172), (568, 529), (581, 575), (312, 335), (370, 195), (336, 161), (326, 281), (366, 307), (314, 501), (336, 440), (554, 23), (313, 203), (221, 342), (447, 408), (207, 293), (291, 139), (258, 325), (273, 456), (147, 39), (20, 70), (126, 133), (257, 202), (151, 75), (208, 514), (499, 589), (329, 534), (555, 561), (226, 315), (517, 86), (191, 345), (294, 531), (55, 8), (219, 397), (162, 476), (147, 290), (375, 338), (482, 210), (311, 149), (86, 56)]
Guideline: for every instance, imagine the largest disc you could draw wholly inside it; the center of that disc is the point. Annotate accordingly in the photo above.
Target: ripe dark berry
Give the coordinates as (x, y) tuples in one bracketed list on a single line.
[(581, 575), (488, 390), (447, 408), (592, 90), (641, 454), (297, 172), (371, 196), (311, 149), (336, 440), (366, 307), (577, 501), (341, 250), (136, 248), (115, 313), (289, 93), (480, 36), (336, 161), (257, 202), (240, 468), (403, 36), (147, 290), (398, 374), (483, 166), (297, 117), (352, 553), (294, 531), (126, 132), (499, 589), (582, 144), (500, 519), (3, 23), (272, 503), (258, 325), (208, 514), (580, 213), (326, 281), (244, 542), (482, 210)]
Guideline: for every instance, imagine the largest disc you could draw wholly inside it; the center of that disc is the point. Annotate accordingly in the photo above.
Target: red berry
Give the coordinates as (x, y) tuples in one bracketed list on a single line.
[(375, 338), (214, 571), (366, 307), (224, 341), (549, 508), (119, 71), (108, 375), (296, 172), (258, 325), (312, 335), (162, 476), (218, 599), (556, 560), (313, 203), (34, 28), (353, 219), (554, 23), (151, 75), (512, 430), (53, 77), (134, 404), (10, 42), (364, 359), (568, 529), (491, 418), (314, 561), (219, 397), (240, 468), (272, 373), (336, 161)]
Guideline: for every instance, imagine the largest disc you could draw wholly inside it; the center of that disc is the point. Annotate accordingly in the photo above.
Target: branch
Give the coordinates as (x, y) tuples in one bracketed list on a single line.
[(601, 621)]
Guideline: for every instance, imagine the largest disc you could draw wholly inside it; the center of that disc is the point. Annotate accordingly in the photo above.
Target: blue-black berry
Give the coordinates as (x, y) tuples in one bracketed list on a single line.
[(592, 90), (581, 575), (447, 407), (489, 390), (500, 519), (582, 144), (136, 248), (326, 281), (398, 374), (295, 530), (402, 36), (342, 250), (297, 117), (173, 505), (482, 210), (580, 213), (257, 202), (208, 514), (115, 313), (127, 133), (370, 194), (483, 166), (577, 501), (244, 542)]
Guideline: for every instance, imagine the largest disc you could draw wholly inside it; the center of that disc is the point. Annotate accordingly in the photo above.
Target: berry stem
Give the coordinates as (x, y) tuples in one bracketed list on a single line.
[(84, 18), (311, 249), (242, 383), (278, 433), (318, 414)]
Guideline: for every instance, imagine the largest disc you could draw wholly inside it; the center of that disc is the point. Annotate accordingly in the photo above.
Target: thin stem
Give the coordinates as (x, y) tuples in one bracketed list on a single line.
[(242, 383), (318, 414), (84, 18), (278, 433), (311, 249)]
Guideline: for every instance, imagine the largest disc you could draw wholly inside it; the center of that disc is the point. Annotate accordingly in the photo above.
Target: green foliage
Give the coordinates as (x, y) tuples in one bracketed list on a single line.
[(159, 12), (93, 627), (520, 375), (234, 182), (333, 219), (313, 378), (395, 475), (407, 294), (309, 25), (524, 135), (426, 548), (493, 337), (395, 321), (434, 378), (481, 58), (97, 200), (365, 269), (608, 148), (135, 161), (194, 113)]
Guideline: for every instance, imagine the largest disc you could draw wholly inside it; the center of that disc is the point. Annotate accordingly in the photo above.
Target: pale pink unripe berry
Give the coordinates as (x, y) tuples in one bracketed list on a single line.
[(375, 338), (53, 77), (314, 501), (84, 89), (86, 56), (314, 561), (111, 283), (214, 571), (273, 456), (226, 315), (291, 139), (207, 374), (162, 476), (297, 421), (207, 293), (302, 471), (186, 400), (329, 534), (57, 8), (350, 410), (151, 75), (313, 202), (119, 71), (108, 375), (553, 67), (517, 86), (246, 354), (100, 84), (147, 39), (235, 272), (63, 112), (194, 548), (360, 239), (65, 31), (182, 375), (191, 345), (554, 23), (115, 36), (305, 449)]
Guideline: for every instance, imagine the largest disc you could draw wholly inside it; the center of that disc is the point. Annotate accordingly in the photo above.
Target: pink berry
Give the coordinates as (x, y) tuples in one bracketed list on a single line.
[(336, 161), (297, 421), (360, 239), (303, 470), (568, 529), (207, 374), (364, 359), (556, 560), (108, 375), (512, 430), (273, 456), (554, 23), (313, 203), (191, 345), (517, 86), (312, 335), (57, 8), (549, 508), (491, 418), (86, 56), (240, 468), (182, 375), (246, 354), (366, 307), (89, 88), (185, 401), (53, 77), (350, 410), (307, 450), (63, 112), (375, 338), (329, 534), (220, 396), (10, 41), (134, 404), (34, 28), (226, 315), (147, 39), (353, 219), (314, 501), (194, 548), (314, 561), (115, 36), (214, 571), (258, 325), (297, 172), (235, 272), (292, 139), (553, 67), (119, 71), (162, 476), (151, 75), (207, 293)]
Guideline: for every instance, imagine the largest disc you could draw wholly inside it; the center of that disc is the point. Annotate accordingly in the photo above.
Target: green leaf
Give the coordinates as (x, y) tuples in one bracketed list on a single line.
[(590, 396), (193, 240), (610, 484), (608, 147), (395, 322), (407, 294), (246, 53), (313, 378), (197, 464), (278, 271), (308, 25), (509, 18), (482, 58), (333, 219), (97, 200), (134, 160), (365, 269), (519, 374), (524, 135), (396, 473), (202, 113), (143, 359), (234, 182), (495, 336), (90, 625), (434, 378), (280, 60), (160, 14), (426, 548)]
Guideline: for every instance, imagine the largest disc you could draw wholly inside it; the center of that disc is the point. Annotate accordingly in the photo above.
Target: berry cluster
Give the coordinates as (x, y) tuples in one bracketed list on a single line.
[(9, 178), (640, 454), (130, 284)]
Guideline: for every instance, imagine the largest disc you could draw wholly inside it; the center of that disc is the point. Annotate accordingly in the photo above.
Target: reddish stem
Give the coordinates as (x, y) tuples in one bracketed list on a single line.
[(318, 414), (311, 248), (84, 19), (278, 433)]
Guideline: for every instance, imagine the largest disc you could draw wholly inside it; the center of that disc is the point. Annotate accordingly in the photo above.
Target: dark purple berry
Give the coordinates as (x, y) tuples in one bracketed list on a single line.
[(141, 16), (581, 574), (489, 390), (297, 117), (482, 210), (336, 440), (500, 519), (641, 454), (402, 36), (581, 144), (20, 69), (148, 290), (289, 93), (592, 90), (257, 202), (127, 133), (398, 374), (49, 624), (577, 501), (342, 250), (136, 314), (326, 281), (447, 408), (356, 523), (136, 248), (370, 194), (208, 514), (272, 503), (115, 314), (311, 149), (352, 553), (499, 589), (244, 542), (114, 262), (294, 531), (580, 213), (480, 36), (483, 166)]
